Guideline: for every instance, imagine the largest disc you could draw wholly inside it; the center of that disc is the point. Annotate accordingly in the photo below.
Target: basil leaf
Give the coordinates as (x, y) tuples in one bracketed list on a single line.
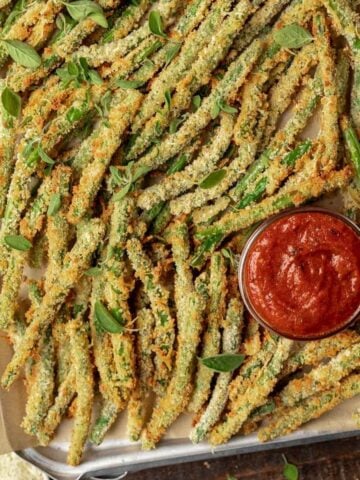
[(54, 204), (177, 165), (225, 362), (81, 9), (122, 193), (22, 53), (156, 24), (129, 83), (17, 242), (11, 102), (290, 471), (93, 272), (292, 36), (44, 156), (196, 102), (106, 320), (213, 179), (171, 52), (94, 77), (168, 99)]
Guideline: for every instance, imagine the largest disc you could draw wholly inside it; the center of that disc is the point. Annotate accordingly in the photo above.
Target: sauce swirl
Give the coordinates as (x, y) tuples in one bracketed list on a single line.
[(302, 274)]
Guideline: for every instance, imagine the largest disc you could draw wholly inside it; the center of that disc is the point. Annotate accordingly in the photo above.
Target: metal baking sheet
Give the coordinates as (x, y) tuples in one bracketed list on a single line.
[(117, 456)]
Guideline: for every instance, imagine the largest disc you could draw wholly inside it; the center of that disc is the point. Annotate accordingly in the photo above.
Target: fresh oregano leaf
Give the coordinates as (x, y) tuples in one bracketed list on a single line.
[(116, 176), (11, 102), (224, 362), (44, 156), (196, 102), (100, 19), (122, 193), (129, 83), (106, 320), (73, 115), (171, 52), (174, 125), (290, 470), (81, 9), (22, 53), (94, 77), (93, 272), (178, 164), (54, 204), (213, 179), (168, 99), (156, 24), (292, 36), (17, 242)]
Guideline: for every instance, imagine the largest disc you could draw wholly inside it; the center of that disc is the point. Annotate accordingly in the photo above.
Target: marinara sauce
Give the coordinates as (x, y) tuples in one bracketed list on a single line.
[(301, 274)]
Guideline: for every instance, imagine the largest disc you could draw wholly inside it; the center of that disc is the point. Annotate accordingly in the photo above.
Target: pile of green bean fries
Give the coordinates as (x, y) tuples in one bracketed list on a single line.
[(139, 147)]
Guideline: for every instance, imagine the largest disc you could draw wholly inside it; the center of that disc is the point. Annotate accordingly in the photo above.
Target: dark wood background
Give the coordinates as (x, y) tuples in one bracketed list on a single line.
[(335, 460)]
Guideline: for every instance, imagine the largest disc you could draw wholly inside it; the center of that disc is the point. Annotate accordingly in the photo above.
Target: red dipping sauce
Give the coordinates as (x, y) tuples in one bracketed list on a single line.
[(300, 273)]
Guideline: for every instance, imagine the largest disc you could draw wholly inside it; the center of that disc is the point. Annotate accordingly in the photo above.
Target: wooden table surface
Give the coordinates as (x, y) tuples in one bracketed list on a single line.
[(335, 460)]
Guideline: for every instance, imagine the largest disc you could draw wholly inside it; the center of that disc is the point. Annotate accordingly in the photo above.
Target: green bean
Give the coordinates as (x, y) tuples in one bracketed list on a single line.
[(345, 22), (322, 377), (281, 94), (283, 138), (164, 333), (202, 166), (7, 148), (63, 399), (102, 146), (84, 387), (253, 397), (178, 392), (232, 80), (329, 118), (352, 144), (95, 55), (74, 263), (247, 134), (312, 353), (128, 19), (286, 420), (211, 339), (137, 404), (42, 392), (117, 292), (230, 344), (250, 369), (25, 167), (252, 342), (199, 74), (295, 192), (57, 183), (171, 75), (342, 79)]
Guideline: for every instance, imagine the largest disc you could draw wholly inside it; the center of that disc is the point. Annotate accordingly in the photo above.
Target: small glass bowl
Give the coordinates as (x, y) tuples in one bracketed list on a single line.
[(241, 271)]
